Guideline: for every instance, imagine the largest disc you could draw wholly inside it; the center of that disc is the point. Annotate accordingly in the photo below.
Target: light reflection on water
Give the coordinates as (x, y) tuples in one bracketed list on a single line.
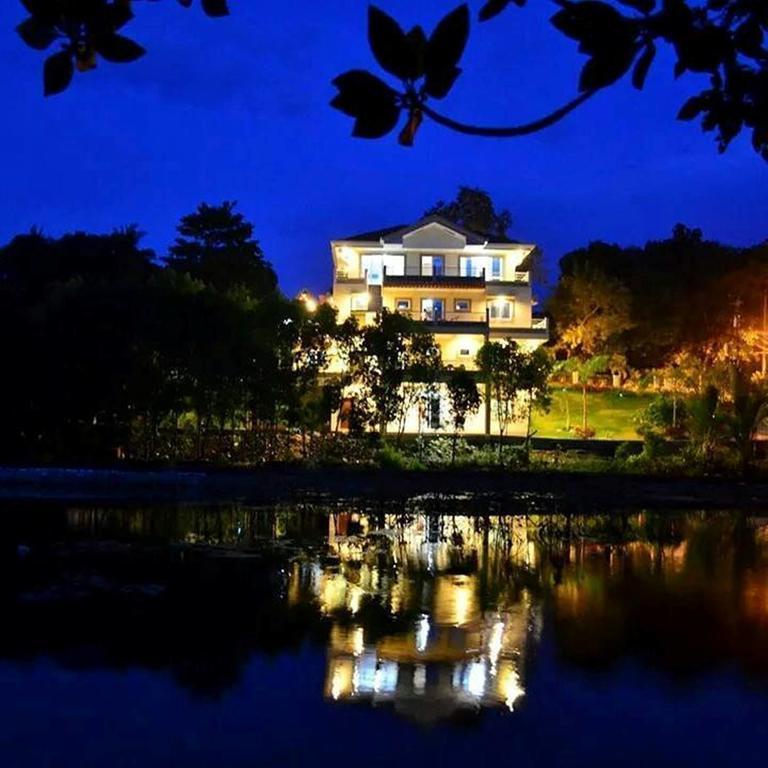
[(433, 617)]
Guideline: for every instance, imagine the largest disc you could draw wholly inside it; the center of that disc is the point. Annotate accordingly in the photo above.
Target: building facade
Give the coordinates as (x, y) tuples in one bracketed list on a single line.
[(465, 289)]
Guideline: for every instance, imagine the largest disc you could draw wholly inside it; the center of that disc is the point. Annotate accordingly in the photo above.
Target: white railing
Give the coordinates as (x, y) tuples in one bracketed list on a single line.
[(445, 317), (540, 324)]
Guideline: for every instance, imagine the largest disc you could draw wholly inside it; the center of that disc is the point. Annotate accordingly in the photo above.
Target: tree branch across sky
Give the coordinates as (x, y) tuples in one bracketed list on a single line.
[(723, 39)]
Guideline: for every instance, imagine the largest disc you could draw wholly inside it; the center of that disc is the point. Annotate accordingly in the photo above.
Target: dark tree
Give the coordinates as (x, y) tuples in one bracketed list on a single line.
[(682, 290), (474, 209), (216, 245)]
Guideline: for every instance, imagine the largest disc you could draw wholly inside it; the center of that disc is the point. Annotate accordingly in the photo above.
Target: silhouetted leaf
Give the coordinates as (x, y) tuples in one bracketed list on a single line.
[(606, 68), (58, 72), (438, 86), (494, 7), (692, 108), (36, 34), (749, 37), (595, 25), (444, 51), (213, 8), (644, 6), (640, 72), (390, 45), (703, 49), (118, 49), (216, 8), (119, 15), (369, 100)]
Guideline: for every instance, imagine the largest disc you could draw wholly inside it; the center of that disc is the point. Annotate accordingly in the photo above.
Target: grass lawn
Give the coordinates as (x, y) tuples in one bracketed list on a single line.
[(610, 413)]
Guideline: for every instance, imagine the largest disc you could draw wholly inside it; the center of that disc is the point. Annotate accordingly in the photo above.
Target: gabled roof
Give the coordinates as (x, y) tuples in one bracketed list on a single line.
[(372, 237), (396, 234), (472, 237)]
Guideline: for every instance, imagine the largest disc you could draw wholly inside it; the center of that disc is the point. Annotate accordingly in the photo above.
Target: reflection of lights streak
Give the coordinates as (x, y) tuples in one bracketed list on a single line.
[(476, 678), (462, 596), (357, 641), (494, 644), (419, 678), (422, 633), (511, 688)]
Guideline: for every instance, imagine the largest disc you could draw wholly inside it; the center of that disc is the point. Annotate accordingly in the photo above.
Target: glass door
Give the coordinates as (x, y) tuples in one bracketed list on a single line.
[(432, 310), (432, 266)]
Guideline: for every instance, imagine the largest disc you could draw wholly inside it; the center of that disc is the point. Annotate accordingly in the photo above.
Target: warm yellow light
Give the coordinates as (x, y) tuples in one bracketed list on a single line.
[(510, 686)]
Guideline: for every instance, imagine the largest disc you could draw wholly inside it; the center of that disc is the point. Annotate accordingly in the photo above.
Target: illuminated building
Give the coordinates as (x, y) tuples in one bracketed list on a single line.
[(463, 288)]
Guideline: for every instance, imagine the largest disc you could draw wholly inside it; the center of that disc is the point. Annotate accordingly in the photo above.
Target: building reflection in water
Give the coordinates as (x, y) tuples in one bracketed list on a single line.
[(457, 644)]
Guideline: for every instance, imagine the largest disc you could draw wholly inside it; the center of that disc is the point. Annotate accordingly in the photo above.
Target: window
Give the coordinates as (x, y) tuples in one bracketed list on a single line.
[(496, 268), (462, 305), (393, 265), (433, 411), (468, 268), (432, 310), (500, 309), (432, 266), (464, 352), (346, 414), (403, 305), (373, 269), (360, 302)]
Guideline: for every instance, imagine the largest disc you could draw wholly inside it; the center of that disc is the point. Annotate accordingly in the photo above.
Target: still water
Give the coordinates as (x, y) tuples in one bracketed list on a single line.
[(433, 631)]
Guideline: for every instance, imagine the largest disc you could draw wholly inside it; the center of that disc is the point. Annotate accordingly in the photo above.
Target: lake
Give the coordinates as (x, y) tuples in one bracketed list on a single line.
[(432, 630)]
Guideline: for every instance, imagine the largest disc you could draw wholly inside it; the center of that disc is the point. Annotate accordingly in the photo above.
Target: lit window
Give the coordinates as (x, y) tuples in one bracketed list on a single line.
[(360, 302), (432, 266), (496, 268), (432, 310), (403, 305), (433, 411), (462, 305), (501, 310)]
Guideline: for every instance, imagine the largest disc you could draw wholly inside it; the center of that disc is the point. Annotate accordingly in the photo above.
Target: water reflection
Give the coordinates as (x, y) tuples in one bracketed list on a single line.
[(434, 615), (451, 649)]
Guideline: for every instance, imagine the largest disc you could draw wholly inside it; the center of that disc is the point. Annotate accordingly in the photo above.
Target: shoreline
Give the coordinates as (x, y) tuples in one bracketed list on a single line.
[(559, 489)]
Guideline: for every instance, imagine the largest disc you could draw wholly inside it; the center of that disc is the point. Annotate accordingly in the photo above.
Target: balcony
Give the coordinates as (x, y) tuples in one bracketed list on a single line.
[(479, 322), (437, 276)]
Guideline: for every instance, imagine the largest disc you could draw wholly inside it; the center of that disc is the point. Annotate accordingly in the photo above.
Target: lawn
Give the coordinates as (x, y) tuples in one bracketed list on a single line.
[(611, 414)]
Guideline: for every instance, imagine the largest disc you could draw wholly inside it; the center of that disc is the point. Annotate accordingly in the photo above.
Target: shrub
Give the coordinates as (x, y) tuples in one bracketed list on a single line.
[(624, 452), (654, 446), (664, 415), (389, 457)]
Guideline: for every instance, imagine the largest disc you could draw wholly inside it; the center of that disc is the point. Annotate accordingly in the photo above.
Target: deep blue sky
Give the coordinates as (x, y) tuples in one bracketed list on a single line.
[(238, 109)]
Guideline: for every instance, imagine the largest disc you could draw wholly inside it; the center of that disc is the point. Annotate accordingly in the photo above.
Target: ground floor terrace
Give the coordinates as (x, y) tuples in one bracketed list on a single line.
[(428, 412)]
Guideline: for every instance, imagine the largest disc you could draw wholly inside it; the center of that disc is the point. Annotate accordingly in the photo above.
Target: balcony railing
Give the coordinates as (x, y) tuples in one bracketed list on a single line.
[(435, 273), (445, 317)]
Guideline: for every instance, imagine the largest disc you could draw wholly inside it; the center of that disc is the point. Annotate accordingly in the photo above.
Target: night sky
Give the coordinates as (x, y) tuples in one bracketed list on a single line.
[(238, 109)]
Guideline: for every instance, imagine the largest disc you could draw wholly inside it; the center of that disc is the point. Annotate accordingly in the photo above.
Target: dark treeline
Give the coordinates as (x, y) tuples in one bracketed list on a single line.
[(681, 294), (110, 352)]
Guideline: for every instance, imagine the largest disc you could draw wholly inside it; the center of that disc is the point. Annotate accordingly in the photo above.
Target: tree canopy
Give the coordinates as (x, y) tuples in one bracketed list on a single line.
[(215, 244), (475, 210)]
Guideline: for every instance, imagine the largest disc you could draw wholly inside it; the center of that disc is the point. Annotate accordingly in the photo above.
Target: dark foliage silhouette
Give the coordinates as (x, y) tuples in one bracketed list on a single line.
[(86, 30), (723, 39)]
